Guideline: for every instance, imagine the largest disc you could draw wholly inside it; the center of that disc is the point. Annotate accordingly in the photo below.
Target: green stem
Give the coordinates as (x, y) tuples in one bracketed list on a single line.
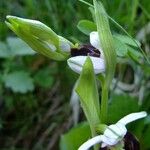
[(104, 104), (87, 3), (133, 14), (96, 147), (104, 99)]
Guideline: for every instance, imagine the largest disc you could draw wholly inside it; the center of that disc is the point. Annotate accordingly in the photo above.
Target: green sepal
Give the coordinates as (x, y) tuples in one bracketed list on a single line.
[(38, 36), (88, 93)]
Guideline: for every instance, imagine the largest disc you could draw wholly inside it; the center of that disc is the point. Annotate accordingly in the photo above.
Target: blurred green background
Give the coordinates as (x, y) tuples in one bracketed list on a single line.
[(35, 91)]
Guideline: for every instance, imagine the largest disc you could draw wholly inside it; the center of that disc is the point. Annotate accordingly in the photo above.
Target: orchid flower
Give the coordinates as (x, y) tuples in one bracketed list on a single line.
[(44, 40), (94, 51), (113, 133)]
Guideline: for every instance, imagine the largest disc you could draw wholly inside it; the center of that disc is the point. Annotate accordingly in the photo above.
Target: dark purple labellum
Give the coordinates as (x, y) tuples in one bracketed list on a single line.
[(85, 50), (130, 143)]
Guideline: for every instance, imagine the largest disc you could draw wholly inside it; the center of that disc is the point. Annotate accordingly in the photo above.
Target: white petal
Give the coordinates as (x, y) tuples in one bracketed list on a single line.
[(91, 142), (64, 46), (123, 129), (74, 102), (76, 64), (132, 117), (114, 133), (94, 40), (103, 145)]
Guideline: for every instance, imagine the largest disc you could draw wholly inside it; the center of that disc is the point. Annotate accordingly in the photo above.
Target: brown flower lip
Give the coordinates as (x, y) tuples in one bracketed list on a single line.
[(85, 50), (130, 142)]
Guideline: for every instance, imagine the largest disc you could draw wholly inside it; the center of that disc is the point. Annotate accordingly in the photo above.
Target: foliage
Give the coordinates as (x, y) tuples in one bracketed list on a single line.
[(75, 137), (19, 81), (35, 92)]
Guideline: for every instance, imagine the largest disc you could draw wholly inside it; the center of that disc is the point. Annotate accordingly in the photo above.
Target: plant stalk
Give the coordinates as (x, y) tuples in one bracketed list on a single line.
[(104, 104)]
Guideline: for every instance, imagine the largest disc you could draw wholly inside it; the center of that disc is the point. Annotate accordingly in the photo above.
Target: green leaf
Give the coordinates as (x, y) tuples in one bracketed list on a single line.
[(88, 93), (106, 40), (1, 78), (141, 130), (43, 74), (75, 137), (146, 137), (134, 54), (14, 47), (121, 48), (18, 47), (146, 69), (86, 26), (4, 50), (127, 40), (120, 106), (19, 81), (126, 48)]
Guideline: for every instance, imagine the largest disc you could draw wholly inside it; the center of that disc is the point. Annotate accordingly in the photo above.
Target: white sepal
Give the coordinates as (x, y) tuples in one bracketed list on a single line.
[(132, 117), (76, 64), (64, 46), (74, 102), (91, 142), (113, 134), (94, 40)]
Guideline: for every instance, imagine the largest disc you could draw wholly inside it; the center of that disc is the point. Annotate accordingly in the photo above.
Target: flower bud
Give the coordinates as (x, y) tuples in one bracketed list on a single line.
[(40, 37)]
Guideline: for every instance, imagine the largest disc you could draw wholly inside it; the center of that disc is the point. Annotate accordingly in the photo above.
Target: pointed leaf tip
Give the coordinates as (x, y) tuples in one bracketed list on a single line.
[(88, 93)]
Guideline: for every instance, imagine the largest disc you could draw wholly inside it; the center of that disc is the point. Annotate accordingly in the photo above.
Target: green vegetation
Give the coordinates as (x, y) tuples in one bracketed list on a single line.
[(35, 91)]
